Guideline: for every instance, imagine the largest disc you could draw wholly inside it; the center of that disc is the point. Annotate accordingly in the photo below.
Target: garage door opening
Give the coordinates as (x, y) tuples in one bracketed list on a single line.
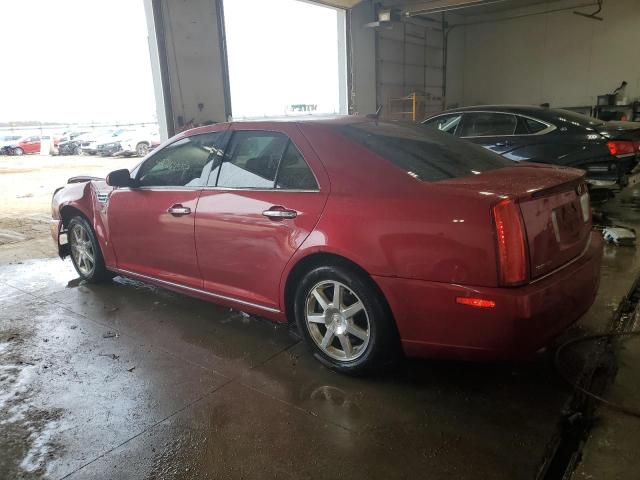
[(286, 57)]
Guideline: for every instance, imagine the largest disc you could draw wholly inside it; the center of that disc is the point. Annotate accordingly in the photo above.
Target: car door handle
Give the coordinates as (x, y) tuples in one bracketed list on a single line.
[(505, 143), (278, 213), (179, 210)]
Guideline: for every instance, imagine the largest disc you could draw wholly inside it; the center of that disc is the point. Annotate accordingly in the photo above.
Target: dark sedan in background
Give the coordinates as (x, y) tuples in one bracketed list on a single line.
[(607, 151)]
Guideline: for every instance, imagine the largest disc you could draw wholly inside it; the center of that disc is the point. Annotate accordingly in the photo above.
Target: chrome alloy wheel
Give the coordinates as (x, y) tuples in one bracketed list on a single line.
[(82, 249), (337, 320)]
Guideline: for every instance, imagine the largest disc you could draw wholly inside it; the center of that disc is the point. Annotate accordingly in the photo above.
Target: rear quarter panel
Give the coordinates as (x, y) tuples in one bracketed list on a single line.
[(392, 224)]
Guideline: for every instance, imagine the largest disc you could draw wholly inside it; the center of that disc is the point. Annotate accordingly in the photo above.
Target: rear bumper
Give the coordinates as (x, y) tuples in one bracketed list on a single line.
[(432, 324), (627, 163), (611, 173)]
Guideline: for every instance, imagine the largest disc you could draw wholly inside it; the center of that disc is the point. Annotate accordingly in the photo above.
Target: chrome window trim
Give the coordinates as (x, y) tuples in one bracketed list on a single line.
[(550, 127), (191, 189), (247, 189), (159, 188), (192, 289)]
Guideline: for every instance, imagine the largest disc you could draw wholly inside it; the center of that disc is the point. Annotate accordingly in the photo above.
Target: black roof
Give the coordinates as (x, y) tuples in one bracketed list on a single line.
[(531, 109), (550, 115)]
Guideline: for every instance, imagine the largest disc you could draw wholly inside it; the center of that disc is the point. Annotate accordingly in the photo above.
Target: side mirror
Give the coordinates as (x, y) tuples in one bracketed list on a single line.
[(120, 178)]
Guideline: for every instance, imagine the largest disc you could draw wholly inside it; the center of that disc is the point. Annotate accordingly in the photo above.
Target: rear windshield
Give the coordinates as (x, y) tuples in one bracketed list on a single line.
[(423, 152), (576, 119)]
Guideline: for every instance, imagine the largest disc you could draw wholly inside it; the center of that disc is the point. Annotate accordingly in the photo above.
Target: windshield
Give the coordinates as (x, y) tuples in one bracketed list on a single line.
[(422, 152)]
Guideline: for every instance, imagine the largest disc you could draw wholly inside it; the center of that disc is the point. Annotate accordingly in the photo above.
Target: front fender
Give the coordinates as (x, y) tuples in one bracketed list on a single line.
[(90, 198)]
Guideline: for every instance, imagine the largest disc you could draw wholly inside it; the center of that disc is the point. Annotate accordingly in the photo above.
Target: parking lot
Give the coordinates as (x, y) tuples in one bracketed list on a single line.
[(126, 380), (27, 185)]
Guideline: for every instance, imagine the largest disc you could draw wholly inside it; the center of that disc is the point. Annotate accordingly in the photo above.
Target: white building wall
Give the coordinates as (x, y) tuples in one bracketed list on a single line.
[(560, 58)]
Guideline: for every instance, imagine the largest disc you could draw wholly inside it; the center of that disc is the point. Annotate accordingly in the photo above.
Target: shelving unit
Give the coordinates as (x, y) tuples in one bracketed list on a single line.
[(612, 112), (411, 107)]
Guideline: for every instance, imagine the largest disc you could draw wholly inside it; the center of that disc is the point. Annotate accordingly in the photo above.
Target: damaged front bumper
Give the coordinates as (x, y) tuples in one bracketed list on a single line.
[(59, 235)]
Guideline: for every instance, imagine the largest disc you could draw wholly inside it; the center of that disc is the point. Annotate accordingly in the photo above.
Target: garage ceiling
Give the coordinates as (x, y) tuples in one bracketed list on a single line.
[(475, 7), (338, 3)]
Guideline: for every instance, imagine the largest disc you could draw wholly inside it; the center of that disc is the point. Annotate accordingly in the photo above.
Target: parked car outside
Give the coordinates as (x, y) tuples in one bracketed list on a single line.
[(606, 151), (90, 142), (369, 235), (129, 142), (70, 143), (110, 144), (7, 141), (29, 144), (139, 142)]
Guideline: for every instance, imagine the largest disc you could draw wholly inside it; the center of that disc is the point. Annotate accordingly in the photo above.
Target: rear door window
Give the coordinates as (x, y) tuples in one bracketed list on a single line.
[(529, 126), (293, 172), (445, 123), (263, 160), (251, 160), (422, 152), (488, 124)]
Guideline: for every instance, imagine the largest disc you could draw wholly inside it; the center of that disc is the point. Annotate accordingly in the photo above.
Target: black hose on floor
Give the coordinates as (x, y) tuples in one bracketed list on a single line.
[(635, 412)]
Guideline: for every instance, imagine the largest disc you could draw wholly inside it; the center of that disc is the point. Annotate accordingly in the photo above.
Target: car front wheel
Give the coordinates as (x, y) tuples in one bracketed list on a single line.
[(344, 320), (18, 151), (85, 251)]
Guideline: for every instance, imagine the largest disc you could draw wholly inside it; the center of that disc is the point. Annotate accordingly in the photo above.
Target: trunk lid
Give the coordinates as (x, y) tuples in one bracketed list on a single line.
[(620, 130), (554, 204)]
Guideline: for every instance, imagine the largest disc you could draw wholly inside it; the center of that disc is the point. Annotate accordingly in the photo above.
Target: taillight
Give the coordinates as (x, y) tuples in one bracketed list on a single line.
[(512, 258), (585, 206), (621, 147)]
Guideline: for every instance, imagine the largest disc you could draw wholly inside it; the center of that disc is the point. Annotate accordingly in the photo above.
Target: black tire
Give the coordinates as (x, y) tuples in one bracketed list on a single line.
[(381, 346), (18, 151), (88, 246)]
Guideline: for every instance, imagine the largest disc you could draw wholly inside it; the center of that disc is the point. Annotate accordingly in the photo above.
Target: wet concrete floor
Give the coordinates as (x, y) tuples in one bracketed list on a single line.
[(127, 380)]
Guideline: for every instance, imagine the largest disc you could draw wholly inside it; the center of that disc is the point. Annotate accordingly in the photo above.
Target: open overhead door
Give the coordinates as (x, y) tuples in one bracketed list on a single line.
[(410, 59)]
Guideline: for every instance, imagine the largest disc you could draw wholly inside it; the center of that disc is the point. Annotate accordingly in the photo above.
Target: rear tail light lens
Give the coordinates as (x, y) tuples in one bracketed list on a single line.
[(585, 205), (512, 258), (621, 147)]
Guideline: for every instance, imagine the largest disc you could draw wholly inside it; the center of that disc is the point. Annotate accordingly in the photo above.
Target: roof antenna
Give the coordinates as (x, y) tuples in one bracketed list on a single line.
[(594, 15), (376, 115)]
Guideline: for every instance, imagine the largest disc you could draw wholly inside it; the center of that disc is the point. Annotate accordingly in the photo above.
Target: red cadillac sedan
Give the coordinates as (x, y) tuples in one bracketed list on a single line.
[(371, 236)]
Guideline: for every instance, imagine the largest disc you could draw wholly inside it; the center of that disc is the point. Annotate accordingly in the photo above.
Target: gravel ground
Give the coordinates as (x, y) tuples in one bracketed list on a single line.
[(26, 186)]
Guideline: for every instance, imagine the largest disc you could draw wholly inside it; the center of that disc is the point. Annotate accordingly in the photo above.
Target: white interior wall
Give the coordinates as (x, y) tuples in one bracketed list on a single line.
[(560, 58)]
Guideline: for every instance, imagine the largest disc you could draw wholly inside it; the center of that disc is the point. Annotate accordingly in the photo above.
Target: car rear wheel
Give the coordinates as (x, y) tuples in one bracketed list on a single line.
[(18, 151), (85, 251), (344, 320), (142, 149)]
